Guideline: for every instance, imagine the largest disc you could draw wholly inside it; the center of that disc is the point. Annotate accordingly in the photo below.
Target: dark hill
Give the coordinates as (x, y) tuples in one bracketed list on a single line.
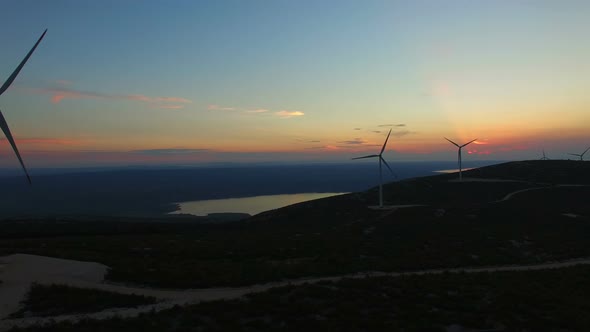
[(542, 171), (460, 224)]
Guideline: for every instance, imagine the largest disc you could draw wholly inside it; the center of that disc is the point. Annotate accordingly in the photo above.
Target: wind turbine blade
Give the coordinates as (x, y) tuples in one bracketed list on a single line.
[(583, 153), (468, 143), (371, 156), (455, 144), (384, 144), (386, 164), (20, 66), (574, 154), (6, 131)]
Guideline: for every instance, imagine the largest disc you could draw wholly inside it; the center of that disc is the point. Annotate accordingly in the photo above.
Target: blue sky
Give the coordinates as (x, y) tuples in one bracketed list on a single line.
[(293, 80)]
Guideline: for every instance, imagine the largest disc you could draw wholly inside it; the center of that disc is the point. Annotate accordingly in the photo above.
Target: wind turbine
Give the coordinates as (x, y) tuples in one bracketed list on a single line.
[(381, 160), (544, 156), (580, 155), (3, 123), (460, 147)]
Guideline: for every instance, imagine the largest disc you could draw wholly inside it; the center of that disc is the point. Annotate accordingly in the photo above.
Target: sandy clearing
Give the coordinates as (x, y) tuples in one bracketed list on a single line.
[(89, 274), (20, 270)]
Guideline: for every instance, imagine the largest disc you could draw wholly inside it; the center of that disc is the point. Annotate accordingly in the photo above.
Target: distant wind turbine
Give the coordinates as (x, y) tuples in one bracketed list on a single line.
[(381, 160), (580, 155), (544, 156), (3, 123), (460, 147)]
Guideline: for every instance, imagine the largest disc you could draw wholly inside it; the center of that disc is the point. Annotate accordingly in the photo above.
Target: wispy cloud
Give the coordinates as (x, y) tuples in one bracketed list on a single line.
[(288, 114), (45, 141), (215, 107), (179, 151), (401, 133), (256, 111), (354, 141), (171, 107), (323, 148), (156, 100), (356, 128), (306, 140), (392, 125), (62, 92)]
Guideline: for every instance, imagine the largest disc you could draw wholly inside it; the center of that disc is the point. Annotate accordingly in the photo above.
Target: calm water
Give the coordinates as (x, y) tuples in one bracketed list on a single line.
[(250, 205), (454, 170)]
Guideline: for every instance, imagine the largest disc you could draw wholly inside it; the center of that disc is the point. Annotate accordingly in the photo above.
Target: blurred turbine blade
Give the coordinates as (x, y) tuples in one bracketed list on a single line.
[(371, 156), (8, 134), (384, 144), (455, 144), (469, 143), (12, 77), (386, 164)]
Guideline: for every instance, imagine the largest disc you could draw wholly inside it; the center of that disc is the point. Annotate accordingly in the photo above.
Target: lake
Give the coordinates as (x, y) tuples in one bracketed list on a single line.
[(251, 205), (454, 170)]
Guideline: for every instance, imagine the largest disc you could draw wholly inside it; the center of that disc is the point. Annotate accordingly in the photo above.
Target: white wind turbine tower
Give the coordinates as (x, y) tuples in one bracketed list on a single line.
[(580, 155), (460, 147), (381, 160), (4, 87)]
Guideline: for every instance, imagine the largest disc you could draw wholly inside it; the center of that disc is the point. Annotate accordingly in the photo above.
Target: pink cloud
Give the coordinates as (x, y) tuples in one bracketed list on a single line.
[(261, 110), (57, 98), (59, 94)]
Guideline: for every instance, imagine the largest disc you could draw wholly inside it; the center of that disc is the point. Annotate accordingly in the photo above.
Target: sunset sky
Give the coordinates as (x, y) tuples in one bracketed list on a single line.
[(174, 82)]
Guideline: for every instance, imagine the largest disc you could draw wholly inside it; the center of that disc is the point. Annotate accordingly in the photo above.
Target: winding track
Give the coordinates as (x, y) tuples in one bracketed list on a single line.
[(510, 195)]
